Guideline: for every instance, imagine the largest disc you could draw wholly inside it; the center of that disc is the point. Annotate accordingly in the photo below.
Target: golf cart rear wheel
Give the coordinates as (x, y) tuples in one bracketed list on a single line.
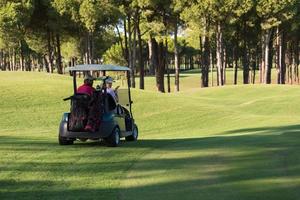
[(134, 136), (65, 141), (114, 139)]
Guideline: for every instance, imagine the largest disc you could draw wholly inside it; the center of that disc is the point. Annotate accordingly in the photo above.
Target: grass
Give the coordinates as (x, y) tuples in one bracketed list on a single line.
[(234, 142), (191, 79)]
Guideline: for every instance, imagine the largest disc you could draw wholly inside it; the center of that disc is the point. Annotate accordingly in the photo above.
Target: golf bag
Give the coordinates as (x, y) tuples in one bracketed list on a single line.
[(95, 112), (79, 112)]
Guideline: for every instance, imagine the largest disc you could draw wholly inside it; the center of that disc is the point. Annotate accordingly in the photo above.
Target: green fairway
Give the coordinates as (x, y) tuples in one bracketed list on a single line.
[(229, 143)]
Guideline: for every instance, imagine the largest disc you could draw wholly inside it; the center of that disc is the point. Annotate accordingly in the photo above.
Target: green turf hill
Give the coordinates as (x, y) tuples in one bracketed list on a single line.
[(232, 142)]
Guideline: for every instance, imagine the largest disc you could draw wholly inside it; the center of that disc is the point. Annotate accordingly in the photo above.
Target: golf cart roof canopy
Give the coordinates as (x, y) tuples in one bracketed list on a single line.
[(98, 67)]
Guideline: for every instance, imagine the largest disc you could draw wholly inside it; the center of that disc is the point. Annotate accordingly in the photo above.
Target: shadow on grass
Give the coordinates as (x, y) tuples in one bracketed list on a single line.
[(171, 75), (193, 71), (261, 163), (268, 130)]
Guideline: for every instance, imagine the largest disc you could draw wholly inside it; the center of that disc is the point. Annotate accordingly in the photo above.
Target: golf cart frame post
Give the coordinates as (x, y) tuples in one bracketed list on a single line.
[(102, 68)]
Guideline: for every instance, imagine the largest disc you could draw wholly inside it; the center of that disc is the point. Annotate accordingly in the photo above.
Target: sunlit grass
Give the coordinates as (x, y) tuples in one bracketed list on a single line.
[(233, 142)]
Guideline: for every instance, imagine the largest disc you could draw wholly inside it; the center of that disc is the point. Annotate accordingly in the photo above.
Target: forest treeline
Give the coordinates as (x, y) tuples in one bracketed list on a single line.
[(155, 37)]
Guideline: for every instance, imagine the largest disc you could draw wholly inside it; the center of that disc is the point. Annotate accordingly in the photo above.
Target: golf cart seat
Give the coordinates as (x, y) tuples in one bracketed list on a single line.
[(111, 103)]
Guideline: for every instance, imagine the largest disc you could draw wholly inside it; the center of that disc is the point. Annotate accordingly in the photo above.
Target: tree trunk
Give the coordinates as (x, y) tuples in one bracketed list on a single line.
[(152, 55), (219, 49), (126, 51), (245, 62), (262, 65), (6, 61), (88, 58), (29, 63), (40, 63), (254, 70), (87, 48), (1, 60), (2, 65), (281, 58), (290, 63), (255, 64), (14, 60), (192, 62), (130, 51), (235, 58), (50, 53), (120, 41), (160, 68), (266, 48), (167, 66), (91, 48), (45, 64), (296, 59), (141, 60), (134, 48), (22, 67), (224, 64), (270, 60), (211, 67), (58, 62), (205, 61), (176, 57), (277, 54), (10, 66)]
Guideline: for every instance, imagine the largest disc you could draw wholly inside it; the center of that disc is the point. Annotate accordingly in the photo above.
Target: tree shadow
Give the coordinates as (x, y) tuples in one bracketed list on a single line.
[(268, 130), (260, 163)]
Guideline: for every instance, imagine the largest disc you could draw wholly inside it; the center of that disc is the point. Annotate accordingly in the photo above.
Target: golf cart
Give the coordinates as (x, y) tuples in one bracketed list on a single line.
[(114, 119)]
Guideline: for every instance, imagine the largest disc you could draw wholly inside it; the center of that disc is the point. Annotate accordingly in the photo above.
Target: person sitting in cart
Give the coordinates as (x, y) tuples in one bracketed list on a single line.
[(110, 90), (87, 87)]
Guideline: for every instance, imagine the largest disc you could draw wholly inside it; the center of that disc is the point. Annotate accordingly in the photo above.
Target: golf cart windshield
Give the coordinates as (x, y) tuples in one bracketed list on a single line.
[(123, 97)]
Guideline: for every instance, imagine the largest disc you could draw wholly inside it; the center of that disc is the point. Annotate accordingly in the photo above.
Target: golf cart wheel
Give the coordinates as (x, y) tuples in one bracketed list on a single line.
[(134, 136), (64, 141), (114, 139)]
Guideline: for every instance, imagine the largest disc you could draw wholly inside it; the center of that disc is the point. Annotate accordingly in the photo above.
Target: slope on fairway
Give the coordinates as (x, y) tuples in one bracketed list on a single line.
[(218, 143), (254, 153)]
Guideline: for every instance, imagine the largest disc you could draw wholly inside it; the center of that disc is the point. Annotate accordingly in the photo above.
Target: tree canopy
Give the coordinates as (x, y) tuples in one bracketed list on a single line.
[(154, 37)]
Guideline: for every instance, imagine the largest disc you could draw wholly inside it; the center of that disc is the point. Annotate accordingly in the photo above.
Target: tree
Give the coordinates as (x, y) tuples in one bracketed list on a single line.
[(14, 16), (114, 55), (155, 15), (273, 14)]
